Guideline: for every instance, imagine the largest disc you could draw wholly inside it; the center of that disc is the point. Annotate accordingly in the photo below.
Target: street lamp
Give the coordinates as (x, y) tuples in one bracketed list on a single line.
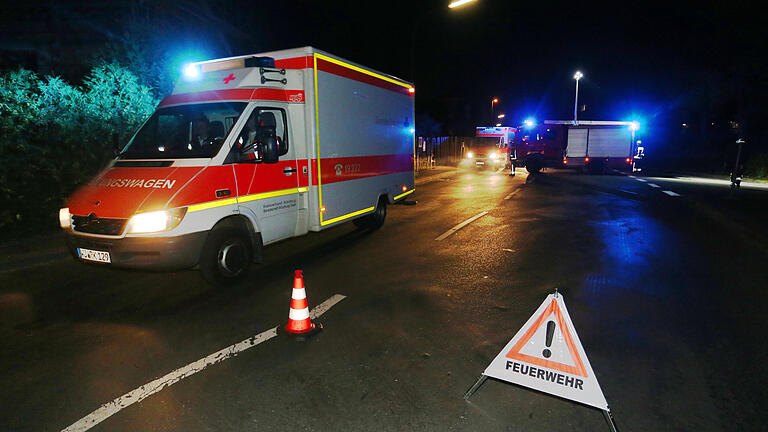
[(577, 76), (457, 3), (493, 102), (500, 116)]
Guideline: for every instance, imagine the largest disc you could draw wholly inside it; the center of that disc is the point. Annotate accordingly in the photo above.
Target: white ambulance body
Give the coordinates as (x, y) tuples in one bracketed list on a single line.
[(245, 152)]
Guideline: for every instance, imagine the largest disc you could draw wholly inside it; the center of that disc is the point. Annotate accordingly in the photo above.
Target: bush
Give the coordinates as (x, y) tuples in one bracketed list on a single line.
[(55, 136), (757, 166)]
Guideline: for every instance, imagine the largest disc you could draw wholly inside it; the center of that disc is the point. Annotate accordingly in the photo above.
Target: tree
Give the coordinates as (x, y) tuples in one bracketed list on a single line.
[(55, 136)]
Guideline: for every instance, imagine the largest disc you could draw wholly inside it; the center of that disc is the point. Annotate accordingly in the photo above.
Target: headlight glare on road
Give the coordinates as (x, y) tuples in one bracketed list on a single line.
[(156, 221), (470, 155), (65, 220)]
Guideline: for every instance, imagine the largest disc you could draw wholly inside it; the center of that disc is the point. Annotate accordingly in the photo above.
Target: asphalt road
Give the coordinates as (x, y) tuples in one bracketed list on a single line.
[(667, 293)]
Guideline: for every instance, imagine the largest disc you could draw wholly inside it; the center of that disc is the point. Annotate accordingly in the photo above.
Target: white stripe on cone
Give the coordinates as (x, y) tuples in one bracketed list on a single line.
[(299, 294), (298, 314)]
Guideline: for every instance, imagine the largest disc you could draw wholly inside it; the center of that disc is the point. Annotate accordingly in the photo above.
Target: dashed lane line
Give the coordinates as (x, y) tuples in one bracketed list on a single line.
[(461, 225), (641, 180), (653, 185), (110, 408), (670, 193), (511, 194)]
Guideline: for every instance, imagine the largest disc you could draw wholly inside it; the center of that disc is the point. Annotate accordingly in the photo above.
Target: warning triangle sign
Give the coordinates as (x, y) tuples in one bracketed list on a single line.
[(546, 355)]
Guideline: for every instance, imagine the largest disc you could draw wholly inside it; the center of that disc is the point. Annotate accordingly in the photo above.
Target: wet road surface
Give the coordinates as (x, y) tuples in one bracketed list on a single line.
[(666, 293)]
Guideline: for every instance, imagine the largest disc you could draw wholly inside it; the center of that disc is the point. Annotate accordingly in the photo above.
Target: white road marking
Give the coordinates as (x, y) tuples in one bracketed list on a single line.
[(324, 306), (641, 180), (461, 225), (631, 176), (512, 194), (508, 250), (169, 379), (670, 193), (628, 191), (654, 185)]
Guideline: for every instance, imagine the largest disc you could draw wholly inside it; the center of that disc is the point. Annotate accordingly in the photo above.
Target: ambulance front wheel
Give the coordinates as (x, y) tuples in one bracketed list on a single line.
[(226, 256), (376, 219)]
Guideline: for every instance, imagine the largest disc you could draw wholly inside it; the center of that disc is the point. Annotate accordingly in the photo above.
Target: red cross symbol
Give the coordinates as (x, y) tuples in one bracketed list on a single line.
[(228, 79)]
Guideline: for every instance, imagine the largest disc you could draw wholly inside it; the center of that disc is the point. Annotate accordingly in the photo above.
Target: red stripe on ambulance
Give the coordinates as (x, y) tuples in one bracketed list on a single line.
[(295, 96), (357, 167)]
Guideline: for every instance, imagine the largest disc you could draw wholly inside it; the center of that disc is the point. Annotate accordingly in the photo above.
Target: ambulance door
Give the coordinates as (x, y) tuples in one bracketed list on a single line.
[(269, 191)]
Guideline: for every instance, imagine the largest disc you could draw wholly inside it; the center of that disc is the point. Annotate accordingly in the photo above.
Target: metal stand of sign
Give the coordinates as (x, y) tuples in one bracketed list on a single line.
[(609, 419), (474, 388), (607, 414)]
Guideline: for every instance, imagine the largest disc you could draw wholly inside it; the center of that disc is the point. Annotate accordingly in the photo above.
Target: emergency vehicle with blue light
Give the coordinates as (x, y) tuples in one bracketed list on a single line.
[(592, 145), (245, 152), (490, 147)]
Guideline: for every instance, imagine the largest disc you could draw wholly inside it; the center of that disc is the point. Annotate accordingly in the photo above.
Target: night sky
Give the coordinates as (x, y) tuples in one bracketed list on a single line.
[(662, 63)]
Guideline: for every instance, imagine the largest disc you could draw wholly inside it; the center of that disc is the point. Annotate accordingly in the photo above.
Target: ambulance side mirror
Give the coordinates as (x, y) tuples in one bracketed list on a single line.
[(269, 150)]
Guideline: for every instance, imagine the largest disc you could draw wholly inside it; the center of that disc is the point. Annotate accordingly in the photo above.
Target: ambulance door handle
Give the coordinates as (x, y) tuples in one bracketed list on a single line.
[(289, 171)]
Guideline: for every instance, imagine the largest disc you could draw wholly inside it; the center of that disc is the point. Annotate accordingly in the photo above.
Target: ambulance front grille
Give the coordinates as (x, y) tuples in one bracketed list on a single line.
[(94, 225)]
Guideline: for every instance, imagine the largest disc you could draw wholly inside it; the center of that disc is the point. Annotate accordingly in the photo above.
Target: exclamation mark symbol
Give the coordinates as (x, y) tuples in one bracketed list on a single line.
[(550, 334)]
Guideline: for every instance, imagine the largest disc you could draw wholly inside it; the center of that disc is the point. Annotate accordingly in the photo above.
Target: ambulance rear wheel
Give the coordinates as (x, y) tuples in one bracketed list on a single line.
[(226, 256), (376, 219)]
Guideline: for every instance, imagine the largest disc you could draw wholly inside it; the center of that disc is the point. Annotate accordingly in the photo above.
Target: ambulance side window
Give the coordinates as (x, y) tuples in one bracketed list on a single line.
[(263, 122)]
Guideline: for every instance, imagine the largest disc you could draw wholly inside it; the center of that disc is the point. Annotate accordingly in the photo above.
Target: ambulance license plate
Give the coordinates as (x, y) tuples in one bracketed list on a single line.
[(93, 255)]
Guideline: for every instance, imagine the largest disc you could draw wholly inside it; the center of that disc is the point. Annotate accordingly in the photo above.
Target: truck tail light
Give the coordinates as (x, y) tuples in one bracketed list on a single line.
[(586, 159), (405, 188), (322, 209), (629, 160), (565, 161)]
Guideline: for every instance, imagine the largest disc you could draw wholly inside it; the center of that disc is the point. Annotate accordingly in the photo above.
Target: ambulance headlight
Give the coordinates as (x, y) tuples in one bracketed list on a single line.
[(470, 155), (156, 221), (65, 220)]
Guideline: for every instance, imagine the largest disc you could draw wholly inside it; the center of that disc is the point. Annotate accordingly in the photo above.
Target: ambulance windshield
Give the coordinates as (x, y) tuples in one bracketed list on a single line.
[(186, 131)]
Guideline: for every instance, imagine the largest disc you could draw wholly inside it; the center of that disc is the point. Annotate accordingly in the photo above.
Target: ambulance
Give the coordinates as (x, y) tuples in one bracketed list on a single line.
[(248, 151)]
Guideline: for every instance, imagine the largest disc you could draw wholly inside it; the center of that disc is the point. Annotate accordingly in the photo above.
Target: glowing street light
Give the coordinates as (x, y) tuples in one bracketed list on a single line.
[(457, 3), (500, 116), (577, 76), (493, 102)]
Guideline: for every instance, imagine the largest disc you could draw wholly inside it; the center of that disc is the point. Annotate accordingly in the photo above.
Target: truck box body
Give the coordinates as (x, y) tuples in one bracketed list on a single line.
[(345, 134), (610, 143), (561, 143)]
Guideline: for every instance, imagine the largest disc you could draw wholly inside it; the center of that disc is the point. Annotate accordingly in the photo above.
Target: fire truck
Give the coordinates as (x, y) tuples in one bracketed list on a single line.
[(598, 145), (591, 145), (490, 147), (248, 151)]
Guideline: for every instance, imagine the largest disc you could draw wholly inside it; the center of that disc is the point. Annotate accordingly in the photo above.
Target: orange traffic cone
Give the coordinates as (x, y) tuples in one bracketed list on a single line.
[(298, 317)]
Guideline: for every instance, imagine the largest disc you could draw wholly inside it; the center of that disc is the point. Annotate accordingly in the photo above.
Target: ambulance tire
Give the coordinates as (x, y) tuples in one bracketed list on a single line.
[(374, 220), (226, 256)]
